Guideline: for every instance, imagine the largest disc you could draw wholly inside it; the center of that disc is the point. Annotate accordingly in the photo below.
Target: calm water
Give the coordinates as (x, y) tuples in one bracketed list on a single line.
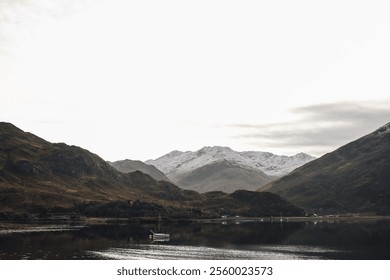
[(290, 240)]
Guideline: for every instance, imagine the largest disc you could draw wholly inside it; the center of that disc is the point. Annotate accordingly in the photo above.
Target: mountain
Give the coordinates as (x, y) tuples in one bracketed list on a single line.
[(221, 176), (353, 178), (128, 165), (39, 177), (36, 174), (222, 169)]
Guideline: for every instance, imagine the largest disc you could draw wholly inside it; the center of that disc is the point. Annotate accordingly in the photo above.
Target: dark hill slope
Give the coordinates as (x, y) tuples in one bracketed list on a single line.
[(354, 178), (37, 174)]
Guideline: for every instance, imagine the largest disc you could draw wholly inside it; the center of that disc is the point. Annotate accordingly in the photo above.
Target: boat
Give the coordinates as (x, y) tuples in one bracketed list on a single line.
[(160, 237)]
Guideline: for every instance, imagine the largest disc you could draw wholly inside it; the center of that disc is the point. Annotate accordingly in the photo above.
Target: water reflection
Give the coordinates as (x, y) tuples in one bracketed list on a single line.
[(169, 252), (260, 240)]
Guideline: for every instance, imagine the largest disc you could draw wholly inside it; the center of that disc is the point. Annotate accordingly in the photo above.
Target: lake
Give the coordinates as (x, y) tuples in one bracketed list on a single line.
[(252, 240)]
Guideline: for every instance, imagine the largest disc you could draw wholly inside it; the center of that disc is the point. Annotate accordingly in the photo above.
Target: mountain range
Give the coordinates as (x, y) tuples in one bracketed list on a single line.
[(353, 178), (223, 169), (38, 177)]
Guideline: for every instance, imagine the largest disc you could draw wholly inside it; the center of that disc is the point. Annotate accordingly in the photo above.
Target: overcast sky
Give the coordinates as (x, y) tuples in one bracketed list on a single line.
[(138, 79)]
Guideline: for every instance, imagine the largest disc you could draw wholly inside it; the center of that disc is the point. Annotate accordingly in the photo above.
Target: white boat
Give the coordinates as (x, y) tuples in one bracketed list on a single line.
[(162, 237)]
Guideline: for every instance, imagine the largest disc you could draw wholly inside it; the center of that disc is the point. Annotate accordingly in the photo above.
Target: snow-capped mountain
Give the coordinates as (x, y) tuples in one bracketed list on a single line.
[(177, 162), (221, 168)]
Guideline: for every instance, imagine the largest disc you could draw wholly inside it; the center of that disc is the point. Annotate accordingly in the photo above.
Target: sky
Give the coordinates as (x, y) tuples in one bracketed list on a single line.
[(138, 79)]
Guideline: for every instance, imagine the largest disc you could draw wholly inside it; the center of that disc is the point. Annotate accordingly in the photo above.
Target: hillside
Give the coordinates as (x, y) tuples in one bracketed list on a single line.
[(222, 169), (353, 178), (128, 165), (37, 177), (221, 176)]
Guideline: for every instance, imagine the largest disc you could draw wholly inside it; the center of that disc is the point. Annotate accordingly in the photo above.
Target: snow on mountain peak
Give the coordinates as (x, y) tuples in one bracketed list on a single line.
[(174, 153), (303, 156), (177, 162)]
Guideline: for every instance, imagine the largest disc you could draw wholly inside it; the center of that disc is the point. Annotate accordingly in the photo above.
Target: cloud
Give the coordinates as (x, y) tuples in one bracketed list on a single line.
[(320, 127), (347, 113)]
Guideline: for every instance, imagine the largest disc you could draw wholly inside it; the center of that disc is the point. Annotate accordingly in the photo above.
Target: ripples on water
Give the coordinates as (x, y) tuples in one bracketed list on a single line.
[(40, 229), (167, 252)]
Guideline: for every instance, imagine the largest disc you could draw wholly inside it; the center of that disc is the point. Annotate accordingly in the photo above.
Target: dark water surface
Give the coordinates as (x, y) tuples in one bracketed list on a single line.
[(255, 240)]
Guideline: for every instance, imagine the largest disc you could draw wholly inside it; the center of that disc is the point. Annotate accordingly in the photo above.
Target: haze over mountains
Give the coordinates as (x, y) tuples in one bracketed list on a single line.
[(223, 169), (37, 176), (353, 178)]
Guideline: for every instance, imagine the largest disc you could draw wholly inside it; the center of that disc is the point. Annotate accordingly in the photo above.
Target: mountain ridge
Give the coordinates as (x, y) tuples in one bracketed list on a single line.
[(251, 169), (263, 161), (353, 178)]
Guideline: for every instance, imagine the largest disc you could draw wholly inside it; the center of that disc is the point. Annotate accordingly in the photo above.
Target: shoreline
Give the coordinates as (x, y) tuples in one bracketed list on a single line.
[(90, 221), (298, 219)]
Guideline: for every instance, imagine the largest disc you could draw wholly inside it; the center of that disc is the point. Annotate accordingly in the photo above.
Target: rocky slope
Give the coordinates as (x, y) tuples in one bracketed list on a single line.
[(353, 178)]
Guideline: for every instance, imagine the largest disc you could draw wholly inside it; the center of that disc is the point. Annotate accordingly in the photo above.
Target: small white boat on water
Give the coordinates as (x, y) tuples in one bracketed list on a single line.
[(161, 237)]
